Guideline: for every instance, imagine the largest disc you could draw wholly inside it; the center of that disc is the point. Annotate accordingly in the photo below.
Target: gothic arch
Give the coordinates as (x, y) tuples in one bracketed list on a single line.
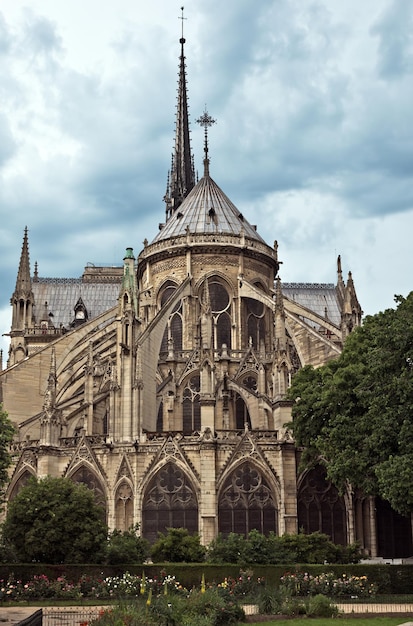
[(173, 333), (221, 305), (219, 277), (169, 500), (320, 506), (124, 504), (190, 398), (167, 284), (85, 474), (247, 500), (251, 403), (19, 482)]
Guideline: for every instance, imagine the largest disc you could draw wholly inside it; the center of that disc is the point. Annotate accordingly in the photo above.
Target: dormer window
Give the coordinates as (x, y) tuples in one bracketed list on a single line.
[(81, 314)]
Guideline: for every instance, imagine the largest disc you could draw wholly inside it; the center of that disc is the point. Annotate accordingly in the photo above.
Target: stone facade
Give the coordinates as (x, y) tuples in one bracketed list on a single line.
[(163, 386)]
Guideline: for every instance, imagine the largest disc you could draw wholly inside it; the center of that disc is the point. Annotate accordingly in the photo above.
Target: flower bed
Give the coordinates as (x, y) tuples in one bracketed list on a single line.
[(244, 587), (304, 584)]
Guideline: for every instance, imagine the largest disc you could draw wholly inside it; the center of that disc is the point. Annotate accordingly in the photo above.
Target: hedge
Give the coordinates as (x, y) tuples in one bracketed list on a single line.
[(390, 579)]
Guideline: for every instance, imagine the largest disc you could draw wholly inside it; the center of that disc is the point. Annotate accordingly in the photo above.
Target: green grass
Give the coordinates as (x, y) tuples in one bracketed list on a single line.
[(345, 621)]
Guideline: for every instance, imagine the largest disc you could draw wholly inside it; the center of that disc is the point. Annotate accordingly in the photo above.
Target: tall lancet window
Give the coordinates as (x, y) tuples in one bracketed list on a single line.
[(255, 322), (191, 406), (172, 337), (221, 313), (242, 416)]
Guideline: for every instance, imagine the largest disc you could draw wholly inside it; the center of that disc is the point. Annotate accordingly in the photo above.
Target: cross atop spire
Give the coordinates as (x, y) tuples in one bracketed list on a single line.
[(206, 121), (182, 174)]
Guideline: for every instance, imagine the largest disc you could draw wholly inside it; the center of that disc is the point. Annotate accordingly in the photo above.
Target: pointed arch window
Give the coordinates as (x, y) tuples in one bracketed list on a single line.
[(241, 413), (320, 506), (159, 419), (255, 321), (246, 502), (169, 502), (124, 506), (221, 313), (88, 477), (172, 336), (191, 406), (22, 482)]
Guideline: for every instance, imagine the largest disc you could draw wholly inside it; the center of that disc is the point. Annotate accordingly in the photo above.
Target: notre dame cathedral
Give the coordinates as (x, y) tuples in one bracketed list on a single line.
[(161, 383)]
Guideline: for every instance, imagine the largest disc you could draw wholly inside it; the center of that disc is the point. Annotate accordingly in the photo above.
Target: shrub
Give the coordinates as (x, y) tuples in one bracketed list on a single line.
[(293, 606), (321, 606), (54, 520), (269, 601), (177, 546), (197, 609), (126, 547), (230, 549), (296, 548)]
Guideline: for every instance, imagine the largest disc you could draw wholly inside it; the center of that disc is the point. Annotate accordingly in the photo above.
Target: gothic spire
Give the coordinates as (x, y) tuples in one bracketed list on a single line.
[(22, 299), (23, 281), (182, 175)]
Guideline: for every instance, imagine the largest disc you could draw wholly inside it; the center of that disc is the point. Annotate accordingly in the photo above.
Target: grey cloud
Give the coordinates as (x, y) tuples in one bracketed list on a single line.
[(394, 30)]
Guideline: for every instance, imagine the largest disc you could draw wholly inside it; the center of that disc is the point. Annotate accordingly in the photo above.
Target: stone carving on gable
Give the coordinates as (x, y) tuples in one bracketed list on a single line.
[(84, 455), (124, 470)]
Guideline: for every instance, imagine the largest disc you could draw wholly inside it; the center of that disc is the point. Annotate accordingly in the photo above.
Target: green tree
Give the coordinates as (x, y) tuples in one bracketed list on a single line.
[(356, 413), (6, 436), (54, 520), (178, 546), (126, 547)]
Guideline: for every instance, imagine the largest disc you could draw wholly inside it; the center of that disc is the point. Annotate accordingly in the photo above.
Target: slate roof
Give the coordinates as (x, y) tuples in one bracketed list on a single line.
[(316, 297), (207, 209), (62, 294)]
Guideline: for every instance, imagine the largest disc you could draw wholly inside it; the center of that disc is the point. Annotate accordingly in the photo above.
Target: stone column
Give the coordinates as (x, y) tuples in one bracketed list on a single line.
[(208, 500)]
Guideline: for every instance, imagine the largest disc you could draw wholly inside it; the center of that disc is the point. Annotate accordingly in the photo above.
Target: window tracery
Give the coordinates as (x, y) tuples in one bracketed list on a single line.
[(88, 477), (255, 322), (172, 337), (191, 406), (221, 313), (169, 502), (320, 507), (124, 507), (246, 503)]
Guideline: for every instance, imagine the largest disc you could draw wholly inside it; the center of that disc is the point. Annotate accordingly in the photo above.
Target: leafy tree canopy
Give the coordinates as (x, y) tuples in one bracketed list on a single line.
[(6, 436), (177, 545), (54, 520), (126, 547), (356, 412)]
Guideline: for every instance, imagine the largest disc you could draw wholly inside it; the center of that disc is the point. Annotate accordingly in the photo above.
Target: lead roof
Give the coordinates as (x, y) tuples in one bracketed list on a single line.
[(207, 209)]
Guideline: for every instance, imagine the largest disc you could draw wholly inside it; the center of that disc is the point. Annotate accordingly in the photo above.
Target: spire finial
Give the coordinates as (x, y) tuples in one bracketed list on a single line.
[(206, 121), (182, 18)]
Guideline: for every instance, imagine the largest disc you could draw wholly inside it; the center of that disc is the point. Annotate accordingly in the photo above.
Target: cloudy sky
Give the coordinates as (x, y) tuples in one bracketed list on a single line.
[(313, 141)]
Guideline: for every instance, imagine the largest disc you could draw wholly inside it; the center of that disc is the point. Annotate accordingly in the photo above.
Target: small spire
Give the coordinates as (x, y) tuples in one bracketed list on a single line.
[(23, 282), (206, 121)]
